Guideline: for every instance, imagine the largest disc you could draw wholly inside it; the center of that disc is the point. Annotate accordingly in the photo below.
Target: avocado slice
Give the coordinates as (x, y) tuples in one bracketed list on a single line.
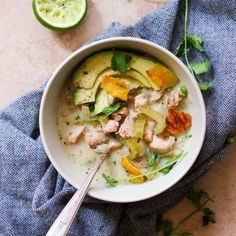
[(132, 79), (82, 96), (88, 72), (103, 99)]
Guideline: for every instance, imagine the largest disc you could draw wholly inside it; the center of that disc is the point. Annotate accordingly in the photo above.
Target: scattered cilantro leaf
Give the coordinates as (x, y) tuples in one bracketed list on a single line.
[(198, 198), (185, 234), (110, 181), (195, 41), (170, 163), (153, 160), (205, 86), (109, 110), (120, 61), (188, 135), (166, 226), (180, 49), (201, 67), (208, 217), (230, 140), (77, 117)]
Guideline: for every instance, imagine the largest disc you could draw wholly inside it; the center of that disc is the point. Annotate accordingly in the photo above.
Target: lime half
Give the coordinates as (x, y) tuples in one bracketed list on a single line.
[(60, 14)]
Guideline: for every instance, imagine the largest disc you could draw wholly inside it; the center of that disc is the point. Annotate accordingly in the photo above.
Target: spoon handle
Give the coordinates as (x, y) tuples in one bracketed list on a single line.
[(62, 224)]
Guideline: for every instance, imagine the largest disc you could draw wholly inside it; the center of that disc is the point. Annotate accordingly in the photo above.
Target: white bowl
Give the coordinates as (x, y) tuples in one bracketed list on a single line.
[(129, 192)]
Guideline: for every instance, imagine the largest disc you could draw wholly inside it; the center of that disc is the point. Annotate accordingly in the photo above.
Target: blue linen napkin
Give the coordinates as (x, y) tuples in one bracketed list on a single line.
[(32, 193)]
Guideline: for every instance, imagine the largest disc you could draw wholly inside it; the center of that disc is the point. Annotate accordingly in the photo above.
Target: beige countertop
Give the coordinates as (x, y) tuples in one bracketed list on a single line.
[(29, 53)]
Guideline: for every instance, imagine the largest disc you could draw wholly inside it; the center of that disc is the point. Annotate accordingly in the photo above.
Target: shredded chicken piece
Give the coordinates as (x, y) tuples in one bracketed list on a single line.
[(95, 138), (110, 127), (146, 97), (141, 100), (149, 130), (162, 144), (106, 148), (174, 99), (74, 136), (127, 128), (155, 95), (119, 115)]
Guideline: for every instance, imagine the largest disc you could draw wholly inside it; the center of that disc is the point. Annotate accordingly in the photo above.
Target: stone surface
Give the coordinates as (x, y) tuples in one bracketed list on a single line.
[(29, 53)]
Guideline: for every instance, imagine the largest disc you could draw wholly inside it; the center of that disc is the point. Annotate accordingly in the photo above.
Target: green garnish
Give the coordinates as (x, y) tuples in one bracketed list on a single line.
[(110, 181), (208, 217), (120, 61), (153, 160), (166, 226), (195, 41), (163, 169), (230, 140), (77, 117), (205, 86), (192, 40), (188, 135), (199, 199), (109, 110), (183, 90), (170, 163), (201, 67)]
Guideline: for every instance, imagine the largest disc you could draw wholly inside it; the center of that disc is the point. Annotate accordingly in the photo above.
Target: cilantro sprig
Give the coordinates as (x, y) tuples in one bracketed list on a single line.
[(110, 109), (120, 61), (199, 199), (164, 169), (196, 42), (110, 181)]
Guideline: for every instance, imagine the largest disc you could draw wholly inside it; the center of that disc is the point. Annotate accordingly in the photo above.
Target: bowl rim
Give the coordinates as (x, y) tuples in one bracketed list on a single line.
[(129, 40)]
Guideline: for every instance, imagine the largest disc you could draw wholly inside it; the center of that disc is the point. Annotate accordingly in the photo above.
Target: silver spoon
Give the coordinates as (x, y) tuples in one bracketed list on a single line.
[(62, 224)]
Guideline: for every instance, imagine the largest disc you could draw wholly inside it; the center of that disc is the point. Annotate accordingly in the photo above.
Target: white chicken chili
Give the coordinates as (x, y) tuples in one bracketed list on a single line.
[(132, 108)]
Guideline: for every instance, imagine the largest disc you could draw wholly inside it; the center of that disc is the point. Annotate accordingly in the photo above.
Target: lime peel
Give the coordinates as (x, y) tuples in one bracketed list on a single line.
[(60, 14)]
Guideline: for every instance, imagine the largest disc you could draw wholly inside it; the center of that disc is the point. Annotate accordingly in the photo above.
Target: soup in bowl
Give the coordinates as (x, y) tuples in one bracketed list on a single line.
[(131, 100)]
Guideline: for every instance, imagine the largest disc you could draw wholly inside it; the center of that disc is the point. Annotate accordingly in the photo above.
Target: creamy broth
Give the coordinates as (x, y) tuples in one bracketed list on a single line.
[(83, 156)]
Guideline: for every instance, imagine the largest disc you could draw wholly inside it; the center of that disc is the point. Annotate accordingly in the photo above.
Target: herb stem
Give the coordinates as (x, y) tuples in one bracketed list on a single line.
[(190, 215), (185, 37)]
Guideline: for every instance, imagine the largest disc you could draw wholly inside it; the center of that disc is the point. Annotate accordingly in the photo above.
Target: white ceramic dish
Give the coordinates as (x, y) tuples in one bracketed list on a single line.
[(129, 192)]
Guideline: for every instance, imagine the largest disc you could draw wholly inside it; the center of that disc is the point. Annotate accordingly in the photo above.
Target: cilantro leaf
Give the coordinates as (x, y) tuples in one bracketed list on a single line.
[(198, 198), (188, 135), (201, 67), (196, 41), (170, 163), (208, 217), (180, 49), (185, 234), (119, 61), (230, 140), (192, 40), (77, 117), (205, 86), (153, 160), (109, 110), (110, 181), (166, 226)]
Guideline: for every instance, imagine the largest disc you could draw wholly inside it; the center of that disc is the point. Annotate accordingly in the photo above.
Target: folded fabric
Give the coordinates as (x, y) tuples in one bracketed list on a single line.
[(32, 193)]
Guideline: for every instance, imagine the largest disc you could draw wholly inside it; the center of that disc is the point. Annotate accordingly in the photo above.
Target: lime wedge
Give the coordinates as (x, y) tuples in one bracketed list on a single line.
[(60, 14)]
